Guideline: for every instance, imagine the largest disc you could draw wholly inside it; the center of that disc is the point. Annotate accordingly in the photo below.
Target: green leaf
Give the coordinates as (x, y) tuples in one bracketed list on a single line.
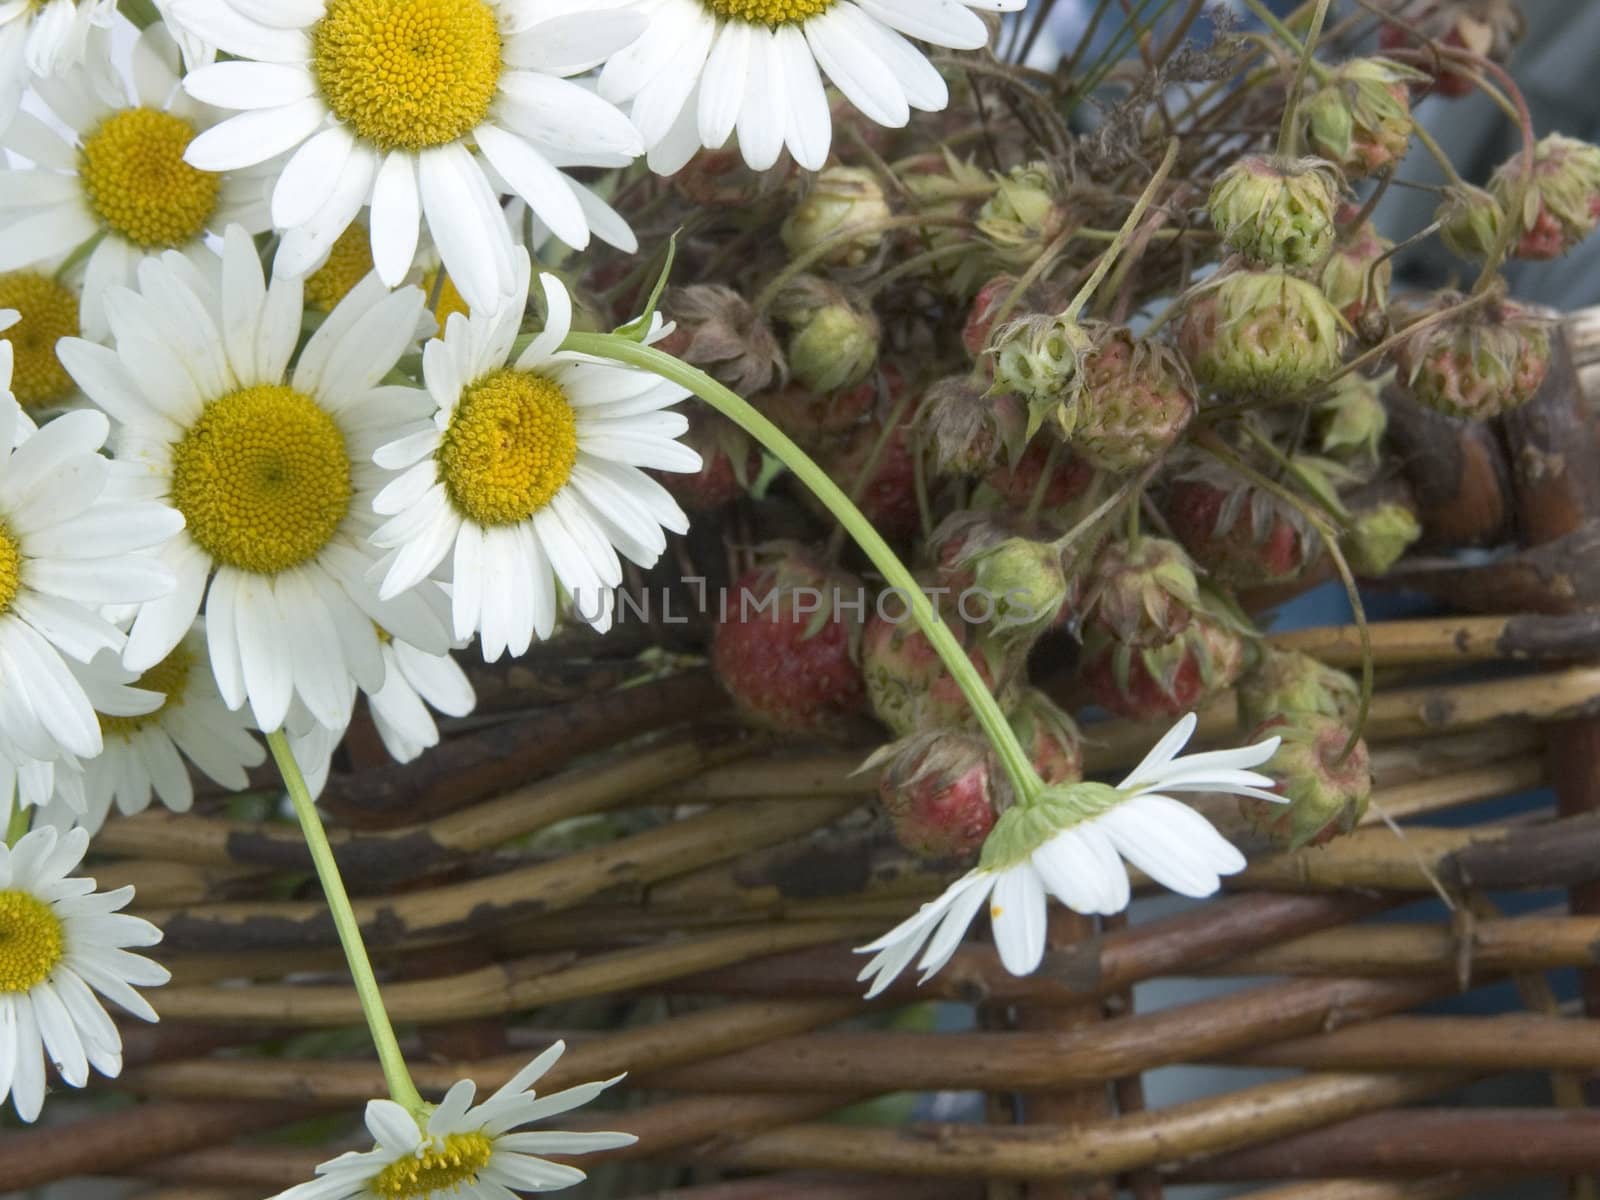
[(639, 328)]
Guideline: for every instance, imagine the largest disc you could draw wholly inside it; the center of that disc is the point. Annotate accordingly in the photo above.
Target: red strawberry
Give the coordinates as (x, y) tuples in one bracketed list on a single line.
[(787, 652), (1165, 681), (1069, 477), (942, 791), (1050, 736), (907, 683), (1242, 536), (811, 418), (887, 492), (730, 461)]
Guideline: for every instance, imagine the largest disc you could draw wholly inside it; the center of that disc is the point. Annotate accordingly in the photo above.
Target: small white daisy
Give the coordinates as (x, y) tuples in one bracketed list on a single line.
[(117, 175), (706, 69), (47, 308), (185, 718), (529, 475), (465, 1151), (59, 939), (428, 110), (44, 39), (270, 468), (1067, 844)]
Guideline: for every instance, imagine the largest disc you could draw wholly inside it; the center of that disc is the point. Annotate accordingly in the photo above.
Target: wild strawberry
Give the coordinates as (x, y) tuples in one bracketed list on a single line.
[(1379, 537), (1360, 119), (970, 432), (1163, 681), (1351, 422), (1487, 27), (1355, 277), (881, 474), (1039, 358), (1261, 333), (942, 790), (1023, 215), (1482, 363), (730, 462), (978, 330), (1068, 479), (1276, 211), (1562, 205), (718, 331), (833, 338), (814, 418), (1242, 535), (1137, 400), (1144, 592), (845, 209), (1051, 738), (907, 683), (1022, 586), (1286, 683), (1326, 796), (788, 650), (1470, 220)]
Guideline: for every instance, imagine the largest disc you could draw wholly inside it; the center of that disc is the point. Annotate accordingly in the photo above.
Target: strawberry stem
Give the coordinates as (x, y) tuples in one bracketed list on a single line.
[(617, 348), (1108, 258)]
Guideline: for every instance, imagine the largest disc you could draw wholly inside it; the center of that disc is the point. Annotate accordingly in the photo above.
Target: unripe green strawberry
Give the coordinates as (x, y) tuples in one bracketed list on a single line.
[(1361, 118), (841, 200), (786, 652), (978, 329), (1050, 737), (1483, 363), (1562, 205), (1137, 400), (1040, 358), (833, 340), (1326, 797), (1261, 333), (1024, 583), (1277, 211), (1352, 421), (1355, 277), (1470, 220), (1379, 538), (1286, 683), (1143, 592), (1023, 215), (907, 683), (942, 791)]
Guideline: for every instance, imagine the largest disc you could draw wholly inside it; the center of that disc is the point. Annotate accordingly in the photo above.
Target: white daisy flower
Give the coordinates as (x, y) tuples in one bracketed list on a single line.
[(53, 789), (270, 468), (462, 1150), (428, 110), (59, 939), (67, 547), (1070, 843), (118, 175), (530, 475), (184, 718), (44, 39), (706, 69)]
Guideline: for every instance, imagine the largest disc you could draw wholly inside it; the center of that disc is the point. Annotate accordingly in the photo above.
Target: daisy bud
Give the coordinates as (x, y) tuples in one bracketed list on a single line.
[(1286, 683), (1040, 358), (1051, 738), (942, 790), (1261, 333), (1143, 592), (1470, 220), (1361, 119), (1482, 363), (841, 200), (1024, 214), (1562, 204), (1276, 211), (1379, 538), (1353, 278), (1137, 399), (1351, 422), (720, 332), (833, 342), (1327, 797), (1024, 584)]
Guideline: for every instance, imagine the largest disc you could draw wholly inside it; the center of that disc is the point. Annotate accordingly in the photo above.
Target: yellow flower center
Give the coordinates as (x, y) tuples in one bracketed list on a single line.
[(138, 184), (768, 12), (349, 262), (448, 300), (510, 447), (30, 941), (10, 568), (408, 74), (441, 1165), (49, 312), (170, 677), (263, 479)]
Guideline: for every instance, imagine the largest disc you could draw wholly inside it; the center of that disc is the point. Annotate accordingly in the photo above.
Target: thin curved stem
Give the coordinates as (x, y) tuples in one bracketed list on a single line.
[(617, 348), (395, 1073), (1109, 258), (1289, 130)]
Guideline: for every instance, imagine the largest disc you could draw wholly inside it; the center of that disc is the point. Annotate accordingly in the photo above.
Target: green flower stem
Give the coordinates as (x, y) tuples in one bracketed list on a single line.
[(617, 348), (1109, 257), (1289, 130), (401, 1089), (21, 820), (141, 12)]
